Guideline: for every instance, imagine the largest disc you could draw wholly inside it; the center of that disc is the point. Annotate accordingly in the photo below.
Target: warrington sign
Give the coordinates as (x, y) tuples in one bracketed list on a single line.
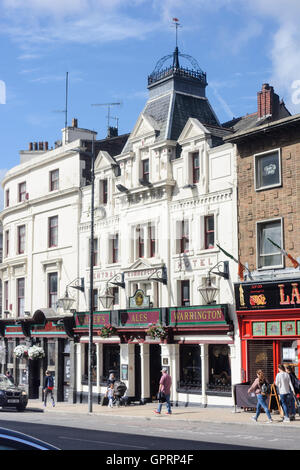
[(195, 316)]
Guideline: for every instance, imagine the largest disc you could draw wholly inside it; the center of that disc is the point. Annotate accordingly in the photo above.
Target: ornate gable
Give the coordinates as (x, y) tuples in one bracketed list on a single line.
[(193, 129)]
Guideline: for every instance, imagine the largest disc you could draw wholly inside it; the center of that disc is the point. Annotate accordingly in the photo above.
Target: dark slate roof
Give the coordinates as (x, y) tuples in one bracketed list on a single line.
[(251, 121), (112, 145), (186, 107), (171, 112)]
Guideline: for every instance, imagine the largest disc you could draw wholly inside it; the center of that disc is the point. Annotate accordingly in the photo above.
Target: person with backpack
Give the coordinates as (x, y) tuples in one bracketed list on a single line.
[(285, 387), (261, 388), (292, 396)]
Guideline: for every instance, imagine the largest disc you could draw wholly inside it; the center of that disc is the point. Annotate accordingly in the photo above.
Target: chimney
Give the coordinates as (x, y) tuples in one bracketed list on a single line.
[(30, 146), (46, 146), (41, 146), (74, 122), (112, 132), (35, 145), (267, 102)]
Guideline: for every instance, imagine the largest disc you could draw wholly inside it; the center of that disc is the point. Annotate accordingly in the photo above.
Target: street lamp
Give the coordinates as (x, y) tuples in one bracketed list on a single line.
[(107, 298), (66, 302), (209, 291)]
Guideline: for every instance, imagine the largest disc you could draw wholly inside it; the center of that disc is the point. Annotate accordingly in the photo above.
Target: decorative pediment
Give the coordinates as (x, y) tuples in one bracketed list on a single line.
[(139, 264), (144, 127), (104, 161), (193, 129)]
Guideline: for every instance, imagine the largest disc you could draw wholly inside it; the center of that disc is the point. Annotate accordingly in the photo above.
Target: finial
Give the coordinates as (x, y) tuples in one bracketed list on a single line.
[(177, 24)]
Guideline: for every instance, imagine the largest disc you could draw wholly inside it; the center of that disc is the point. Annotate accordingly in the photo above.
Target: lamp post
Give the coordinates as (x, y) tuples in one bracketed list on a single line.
[(91, 303), (90, 349)]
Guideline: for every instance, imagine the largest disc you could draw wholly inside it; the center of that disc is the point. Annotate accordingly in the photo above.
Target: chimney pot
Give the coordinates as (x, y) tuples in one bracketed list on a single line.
[(46, 145), (41, 145), (30, 146), (35, 145), (74, 122)]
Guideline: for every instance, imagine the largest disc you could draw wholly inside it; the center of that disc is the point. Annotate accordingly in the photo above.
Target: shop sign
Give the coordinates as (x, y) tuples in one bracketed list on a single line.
[(13, 330), (99, 319), (197, 316), (139, 318), (267, 295), (47, 328), (139, 300)]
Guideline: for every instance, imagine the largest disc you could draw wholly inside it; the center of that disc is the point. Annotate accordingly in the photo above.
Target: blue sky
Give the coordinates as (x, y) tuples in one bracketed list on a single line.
[(109, 48)]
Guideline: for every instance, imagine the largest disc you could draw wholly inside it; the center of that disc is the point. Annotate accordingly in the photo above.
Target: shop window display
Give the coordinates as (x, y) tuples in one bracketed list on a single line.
[(111, 361), (190, 368), (86, 364), (219, 368)]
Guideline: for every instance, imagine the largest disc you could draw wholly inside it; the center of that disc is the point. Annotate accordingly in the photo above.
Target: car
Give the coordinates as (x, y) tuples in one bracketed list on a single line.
[(14, 440), (11, 395)]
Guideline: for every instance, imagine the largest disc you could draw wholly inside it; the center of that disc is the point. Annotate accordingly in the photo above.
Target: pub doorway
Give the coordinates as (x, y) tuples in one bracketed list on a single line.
[(137, 374), (34, 378), (155, 369)]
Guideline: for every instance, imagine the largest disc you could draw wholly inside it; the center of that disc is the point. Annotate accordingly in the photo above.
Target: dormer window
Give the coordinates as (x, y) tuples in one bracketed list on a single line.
[(196, 167), (145, 170), (103, 191)]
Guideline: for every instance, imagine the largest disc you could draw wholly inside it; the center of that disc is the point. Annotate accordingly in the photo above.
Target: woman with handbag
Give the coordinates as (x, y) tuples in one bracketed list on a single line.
[(260, 388), (48, 387), (164, 392)]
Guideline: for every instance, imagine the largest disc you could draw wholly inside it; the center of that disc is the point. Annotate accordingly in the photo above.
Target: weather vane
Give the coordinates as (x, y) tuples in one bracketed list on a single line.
[(177, 25)]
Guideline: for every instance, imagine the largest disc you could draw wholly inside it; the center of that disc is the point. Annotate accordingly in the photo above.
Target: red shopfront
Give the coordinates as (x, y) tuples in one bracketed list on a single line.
[(268, 315)]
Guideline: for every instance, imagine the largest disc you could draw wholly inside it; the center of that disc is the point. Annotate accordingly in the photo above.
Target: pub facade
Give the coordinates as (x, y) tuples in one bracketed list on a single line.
[(268, 314)]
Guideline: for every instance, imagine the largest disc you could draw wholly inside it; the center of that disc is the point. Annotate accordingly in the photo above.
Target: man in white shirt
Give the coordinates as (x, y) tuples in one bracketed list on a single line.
[(284, 386)]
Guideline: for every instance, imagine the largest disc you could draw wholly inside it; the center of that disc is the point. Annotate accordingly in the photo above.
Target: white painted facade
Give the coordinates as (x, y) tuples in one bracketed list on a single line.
[(162, 206)]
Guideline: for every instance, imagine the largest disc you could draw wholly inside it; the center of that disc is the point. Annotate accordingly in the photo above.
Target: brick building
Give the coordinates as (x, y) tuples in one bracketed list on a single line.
[(268, 151)]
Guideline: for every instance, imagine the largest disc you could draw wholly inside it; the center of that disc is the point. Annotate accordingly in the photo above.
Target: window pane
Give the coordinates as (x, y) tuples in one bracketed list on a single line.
[(219, 366), (269, 255), (268, 170)]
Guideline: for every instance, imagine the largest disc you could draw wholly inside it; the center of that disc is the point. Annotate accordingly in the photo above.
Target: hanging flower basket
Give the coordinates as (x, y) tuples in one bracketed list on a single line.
[(21, 351), (107, 331), (157, 331), (36, 352)]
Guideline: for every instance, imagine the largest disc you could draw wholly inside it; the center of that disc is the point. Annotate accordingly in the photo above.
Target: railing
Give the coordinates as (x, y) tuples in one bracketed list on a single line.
[(181, 71)]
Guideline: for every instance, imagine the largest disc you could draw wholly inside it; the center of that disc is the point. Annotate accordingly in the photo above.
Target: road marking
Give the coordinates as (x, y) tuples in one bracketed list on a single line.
[(102, 442)]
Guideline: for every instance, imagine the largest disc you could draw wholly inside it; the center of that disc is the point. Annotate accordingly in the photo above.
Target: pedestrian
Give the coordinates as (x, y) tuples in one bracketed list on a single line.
[(165, 389), (110, 393), (258, 387), (48, 387), (9, 376), (292, 396), (284, 386), (111, 379)]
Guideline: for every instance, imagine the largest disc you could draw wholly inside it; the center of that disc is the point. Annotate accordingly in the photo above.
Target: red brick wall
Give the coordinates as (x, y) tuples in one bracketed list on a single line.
[(282, 201)]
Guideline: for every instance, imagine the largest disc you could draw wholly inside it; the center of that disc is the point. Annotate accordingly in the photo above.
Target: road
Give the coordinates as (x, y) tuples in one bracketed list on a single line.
[(90, 432)]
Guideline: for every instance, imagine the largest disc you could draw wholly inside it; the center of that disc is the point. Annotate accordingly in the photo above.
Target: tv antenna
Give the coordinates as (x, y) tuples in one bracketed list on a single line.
[(109, 117), (65, 111)]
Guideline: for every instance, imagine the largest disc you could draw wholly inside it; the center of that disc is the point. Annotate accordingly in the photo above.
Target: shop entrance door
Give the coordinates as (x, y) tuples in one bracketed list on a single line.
[(34, 378), (137, 374), (67, 376), (155, 369), (260, 356)]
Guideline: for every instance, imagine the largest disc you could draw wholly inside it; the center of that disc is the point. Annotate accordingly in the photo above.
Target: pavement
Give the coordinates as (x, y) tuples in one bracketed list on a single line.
[(211, 414)]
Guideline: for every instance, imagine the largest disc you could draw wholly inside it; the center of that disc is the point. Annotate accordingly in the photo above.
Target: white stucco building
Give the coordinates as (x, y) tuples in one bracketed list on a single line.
[(161, 207)]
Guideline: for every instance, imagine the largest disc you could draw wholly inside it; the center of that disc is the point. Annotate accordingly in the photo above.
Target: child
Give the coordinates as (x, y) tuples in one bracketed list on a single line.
[(110, 393)]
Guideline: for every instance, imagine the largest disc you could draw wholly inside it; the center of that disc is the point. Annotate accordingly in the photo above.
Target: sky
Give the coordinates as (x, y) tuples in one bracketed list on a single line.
[(110, 47)]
